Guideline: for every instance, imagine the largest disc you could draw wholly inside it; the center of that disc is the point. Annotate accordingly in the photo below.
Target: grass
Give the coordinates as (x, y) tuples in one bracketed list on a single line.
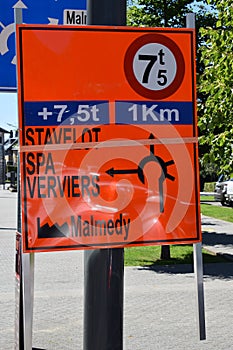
[(207, 198), (217, 212), (180, 254)]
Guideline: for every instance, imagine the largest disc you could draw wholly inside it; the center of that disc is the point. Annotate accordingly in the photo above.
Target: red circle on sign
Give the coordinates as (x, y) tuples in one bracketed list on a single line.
[(130, 75)]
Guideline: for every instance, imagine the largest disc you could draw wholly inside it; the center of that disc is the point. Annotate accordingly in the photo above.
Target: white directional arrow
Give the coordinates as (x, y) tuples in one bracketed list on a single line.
[(4, 35), (19, 5), (13, 61), (53, 20)]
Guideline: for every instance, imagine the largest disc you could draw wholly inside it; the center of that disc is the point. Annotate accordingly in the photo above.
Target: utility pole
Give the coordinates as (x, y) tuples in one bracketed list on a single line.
[(104, 268)]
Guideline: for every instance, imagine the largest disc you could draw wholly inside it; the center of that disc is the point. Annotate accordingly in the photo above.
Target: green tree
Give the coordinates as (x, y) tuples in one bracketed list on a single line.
[(162, 13), (215, 86)]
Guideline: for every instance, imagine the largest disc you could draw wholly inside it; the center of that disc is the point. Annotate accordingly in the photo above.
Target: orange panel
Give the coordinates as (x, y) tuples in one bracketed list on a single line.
[(107, 137)]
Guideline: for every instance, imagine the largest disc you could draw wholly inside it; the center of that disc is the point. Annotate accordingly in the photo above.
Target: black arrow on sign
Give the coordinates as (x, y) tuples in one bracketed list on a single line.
[(113, 171)]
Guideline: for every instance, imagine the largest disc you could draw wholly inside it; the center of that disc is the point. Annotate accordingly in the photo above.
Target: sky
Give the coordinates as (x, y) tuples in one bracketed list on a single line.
[(8, 111)]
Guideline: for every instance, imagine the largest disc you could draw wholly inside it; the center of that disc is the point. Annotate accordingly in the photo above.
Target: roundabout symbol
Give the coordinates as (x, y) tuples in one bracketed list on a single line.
[(4, 35), (154, 66), (139, 171)]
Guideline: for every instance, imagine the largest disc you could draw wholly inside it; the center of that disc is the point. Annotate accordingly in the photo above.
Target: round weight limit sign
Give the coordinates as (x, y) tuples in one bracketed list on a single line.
[(154, 66)]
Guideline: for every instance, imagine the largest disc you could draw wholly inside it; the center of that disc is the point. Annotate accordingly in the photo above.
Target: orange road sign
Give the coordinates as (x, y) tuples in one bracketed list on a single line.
[(108, 137)]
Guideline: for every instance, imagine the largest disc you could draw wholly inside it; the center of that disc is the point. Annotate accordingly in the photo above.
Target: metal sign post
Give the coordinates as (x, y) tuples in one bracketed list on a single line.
[(197, 249), (24, 269), (198, 269), (104, 269)]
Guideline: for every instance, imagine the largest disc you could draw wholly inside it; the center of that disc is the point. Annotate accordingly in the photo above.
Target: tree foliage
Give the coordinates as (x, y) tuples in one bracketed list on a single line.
[(216, 89), (168, 13), (158, 13)]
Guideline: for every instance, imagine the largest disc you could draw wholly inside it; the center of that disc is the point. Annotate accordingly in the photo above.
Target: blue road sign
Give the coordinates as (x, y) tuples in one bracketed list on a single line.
[(34, 12)]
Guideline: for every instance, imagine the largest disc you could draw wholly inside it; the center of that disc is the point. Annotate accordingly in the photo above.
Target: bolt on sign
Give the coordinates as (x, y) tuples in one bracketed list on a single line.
[(108, 137)]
